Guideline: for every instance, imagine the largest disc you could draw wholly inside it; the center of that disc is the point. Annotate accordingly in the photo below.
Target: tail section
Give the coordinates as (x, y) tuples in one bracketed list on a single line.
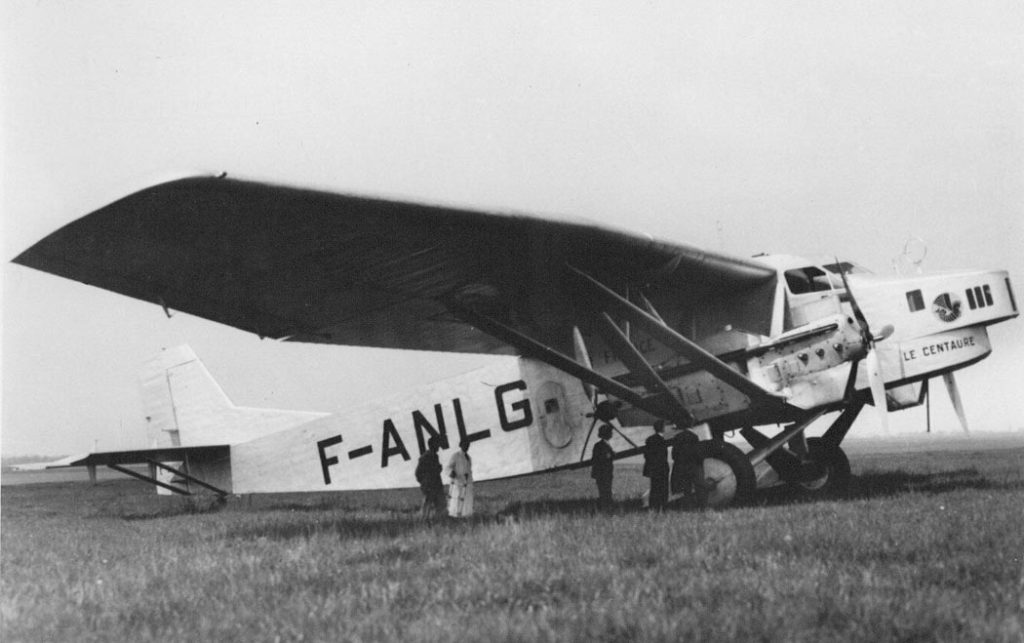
[(184, 406)]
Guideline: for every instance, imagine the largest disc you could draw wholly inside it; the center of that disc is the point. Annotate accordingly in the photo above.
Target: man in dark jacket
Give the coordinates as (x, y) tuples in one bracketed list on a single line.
[(656, 467), (687, 467), (428, 474), (602, 466)]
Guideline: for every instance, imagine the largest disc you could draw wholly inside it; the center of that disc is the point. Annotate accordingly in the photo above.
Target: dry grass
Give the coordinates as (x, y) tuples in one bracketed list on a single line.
[(929, 547)]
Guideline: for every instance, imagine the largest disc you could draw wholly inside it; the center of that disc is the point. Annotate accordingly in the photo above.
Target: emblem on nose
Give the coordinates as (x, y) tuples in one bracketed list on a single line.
[(946, 307)]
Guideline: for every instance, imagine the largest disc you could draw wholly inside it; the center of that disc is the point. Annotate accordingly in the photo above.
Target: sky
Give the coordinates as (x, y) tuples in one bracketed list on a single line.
[(841, 128)]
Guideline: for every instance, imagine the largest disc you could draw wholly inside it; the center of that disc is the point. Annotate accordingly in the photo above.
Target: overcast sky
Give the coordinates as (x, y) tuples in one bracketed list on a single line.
[(837, 128)]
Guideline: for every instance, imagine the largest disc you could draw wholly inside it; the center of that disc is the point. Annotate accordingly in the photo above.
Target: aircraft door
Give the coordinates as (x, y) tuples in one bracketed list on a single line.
[(554, 417)]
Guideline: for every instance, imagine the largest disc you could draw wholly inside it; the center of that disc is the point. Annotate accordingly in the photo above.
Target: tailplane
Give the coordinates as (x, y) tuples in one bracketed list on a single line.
[(184, 405)]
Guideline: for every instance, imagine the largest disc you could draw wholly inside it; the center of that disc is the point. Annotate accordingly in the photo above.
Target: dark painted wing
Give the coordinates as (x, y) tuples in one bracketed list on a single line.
[(314, 266)]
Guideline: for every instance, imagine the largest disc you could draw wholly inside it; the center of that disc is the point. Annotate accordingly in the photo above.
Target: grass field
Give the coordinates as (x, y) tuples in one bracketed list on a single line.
[(930, 546)]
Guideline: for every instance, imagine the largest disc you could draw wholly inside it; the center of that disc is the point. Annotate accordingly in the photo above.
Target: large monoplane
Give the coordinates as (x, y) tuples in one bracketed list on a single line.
[(608, 326)]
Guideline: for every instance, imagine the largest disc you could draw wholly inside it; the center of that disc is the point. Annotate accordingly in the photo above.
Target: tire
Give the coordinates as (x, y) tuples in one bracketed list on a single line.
[(834, 469), (727, 474)]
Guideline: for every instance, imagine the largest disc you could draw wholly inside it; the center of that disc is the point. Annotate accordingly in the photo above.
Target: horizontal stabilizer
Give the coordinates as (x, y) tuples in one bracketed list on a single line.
[(143, 456), (69, 461)]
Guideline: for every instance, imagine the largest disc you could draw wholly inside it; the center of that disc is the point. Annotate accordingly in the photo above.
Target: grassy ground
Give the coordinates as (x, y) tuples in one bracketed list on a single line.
[(929, 547)]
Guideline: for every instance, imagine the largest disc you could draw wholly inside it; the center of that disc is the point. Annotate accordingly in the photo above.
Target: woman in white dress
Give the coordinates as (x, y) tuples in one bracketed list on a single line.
[(460, 476)]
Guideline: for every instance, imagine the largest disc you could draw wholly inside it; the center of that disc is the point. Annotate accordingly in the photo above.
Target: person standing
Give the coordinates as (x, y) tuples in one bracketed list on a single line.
[(656, 467), (687, 467), (428, 474), (602, 466), (460, 475)]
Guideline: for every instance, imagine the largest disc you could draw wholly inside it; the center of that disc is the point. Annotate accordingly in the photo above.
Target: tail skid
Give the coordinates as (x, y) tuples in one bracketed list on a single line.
[(184, 406)]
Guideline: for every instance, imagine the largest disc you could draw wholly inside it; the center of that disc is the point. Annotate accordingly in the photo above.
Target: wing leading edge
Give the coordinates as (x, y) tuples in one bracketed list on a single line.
[(313, 266)]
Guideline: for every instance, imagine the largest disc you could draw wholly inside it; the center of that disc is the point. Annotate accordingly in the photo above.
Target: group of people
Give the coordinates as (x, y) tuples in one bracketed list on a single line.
[(685, 470), (457, 501), (459, 471)]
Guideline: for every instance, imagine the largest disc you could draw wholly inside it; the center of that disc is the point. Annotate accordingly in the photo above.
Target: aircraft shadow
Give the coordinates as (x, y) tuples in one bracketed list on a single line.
[(391, 517), (884, 484)]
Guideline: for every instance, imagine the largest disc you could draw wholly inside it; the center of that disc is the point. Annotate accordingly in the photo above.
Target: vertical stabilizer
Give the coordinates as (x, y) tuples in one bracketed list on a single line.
[(184, 405)]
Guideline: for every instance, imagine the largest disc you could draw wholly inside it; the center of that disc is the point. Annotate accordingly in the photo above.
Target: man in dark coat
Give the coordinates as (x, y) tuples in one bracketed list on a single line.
[(687, 466), (428, 474), (602, 466), (656, 467)]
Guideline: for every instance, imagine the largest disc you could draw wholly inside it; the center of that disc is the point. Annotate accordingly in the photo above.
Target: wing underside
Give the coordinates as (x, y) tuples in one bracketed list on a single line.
[(314, 266)]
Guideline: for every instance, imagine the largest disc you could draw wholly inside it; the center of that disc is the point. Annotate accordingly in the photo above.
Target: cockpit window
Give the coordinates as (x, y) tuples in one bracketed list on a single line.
[(809, 279)]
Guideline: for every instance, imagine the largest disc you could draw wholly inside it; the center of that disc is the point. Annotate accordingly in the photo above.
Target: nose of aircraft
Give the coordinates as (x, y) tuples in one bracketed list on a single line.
[(926, 304), (930, 324)]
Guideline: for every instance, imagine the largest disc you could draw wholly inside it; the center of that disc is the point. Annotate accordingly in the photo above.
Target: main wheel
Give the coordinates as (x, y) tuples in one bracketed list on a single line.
[(831, 470), (727, 476)]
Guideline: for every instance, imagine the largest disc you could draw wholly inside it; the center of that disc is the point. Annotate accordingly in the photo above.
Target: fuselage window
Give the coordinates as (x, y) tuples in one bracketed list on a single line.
[(979, 296), (915, 301)]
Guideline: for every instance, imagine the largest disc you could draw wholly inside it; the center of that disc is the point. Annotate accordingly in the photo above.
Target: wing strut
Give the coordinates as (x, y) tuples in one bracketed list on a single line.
[(153, 481), (531, 347), (657, 329), (641, 368), (190, 478), (178, 490)]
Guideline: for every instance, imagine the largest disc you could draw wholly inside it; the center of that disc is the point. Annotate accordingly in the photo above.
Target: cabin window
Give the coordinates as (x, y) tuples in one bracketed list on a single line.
[(915, 301), (979, 296), (810, 279)]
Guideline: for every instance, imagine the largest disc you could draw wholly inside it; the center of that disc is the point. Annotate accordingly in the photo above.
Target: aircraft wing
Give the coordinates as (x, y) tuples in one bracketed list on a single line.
[(313, 266)]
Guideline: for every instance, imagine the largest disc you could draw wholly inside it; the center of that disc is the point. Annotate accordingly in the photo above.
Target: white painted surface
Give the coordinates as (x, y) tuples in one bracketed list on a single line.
[(291, 460)]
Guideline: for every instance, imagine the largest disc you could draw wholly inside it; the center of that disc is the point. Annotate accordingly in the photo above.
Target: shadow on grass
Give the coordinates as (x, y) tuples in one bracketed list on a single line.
[(883, 484), (391, 514)]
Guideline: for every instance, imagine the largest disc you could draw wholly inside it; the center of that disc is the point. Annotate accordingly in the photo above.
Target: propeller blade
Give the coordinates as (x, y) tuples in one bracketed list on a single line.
[(857, 313), (871, 361), (884, 334), (927, 406), (583, 357), (877, 386), (954, 397)]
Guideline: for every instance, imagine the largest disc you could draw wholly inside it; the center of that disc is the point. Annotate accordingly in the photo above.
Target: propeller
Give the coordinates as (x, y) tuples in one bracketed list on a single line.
[(927, 406), (583, 357), (604, 411), (954, 397), (871, 361)]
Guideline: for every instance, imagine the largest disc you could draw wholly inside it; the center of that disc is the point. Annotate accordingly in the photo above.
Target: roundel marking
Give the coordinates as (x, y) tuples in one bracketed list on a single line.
[(555, 425), (947, 307)]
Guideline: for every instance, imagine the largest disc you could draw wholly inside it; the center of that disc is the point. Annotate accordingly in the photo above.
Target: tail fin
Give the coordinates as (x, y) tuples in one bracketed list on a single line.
[(185, 406)]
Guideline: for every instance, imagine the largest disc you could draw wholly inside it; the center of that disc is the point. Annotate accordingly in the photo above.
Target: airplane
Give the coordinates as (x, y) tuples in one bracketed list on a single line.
[(608, 326)]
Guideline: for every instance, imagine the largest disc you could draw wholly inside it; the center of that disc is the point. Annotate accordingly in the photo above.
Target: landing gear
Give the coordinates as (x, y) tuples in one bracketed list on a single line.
[(828, 473), (725, 477)]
